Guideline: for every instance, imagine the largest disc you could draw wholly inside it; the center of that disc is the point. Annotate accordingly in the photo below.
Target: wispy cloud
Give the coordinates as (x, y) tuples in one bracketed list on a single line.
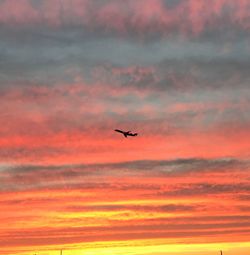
[(67, 175)]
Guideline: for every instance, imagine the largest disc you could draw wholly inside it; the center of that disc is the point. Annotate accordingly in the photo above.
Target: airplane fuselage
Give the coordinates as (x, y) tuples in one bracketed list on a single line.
[(126, 133)]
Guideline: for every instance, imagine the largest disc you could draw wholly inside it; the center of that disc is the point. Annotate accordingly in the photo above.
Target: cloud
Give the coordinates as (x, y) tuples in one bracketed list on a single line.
[(167, 65), (79, 235), (182, 165), (152, 17), (29, 176), (199, 189), (244, 197), (136, 208)]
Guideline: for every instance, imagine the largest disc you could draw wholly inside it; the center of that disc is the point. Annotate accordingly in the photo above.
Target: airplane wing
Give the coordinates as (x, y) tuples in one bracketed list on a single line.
[(120, 131)]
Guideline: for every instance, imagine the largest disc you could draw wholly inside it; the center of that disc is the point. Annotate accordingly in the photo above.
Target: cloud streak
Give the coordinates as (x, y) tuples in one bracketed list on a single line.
[(119, 16)]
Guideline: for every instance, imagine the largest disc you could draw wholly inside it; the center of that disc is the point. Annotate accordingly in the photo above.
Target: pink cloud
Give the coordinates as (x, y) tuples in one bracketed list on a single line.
[(148, 16), (18, 12), (63, 123)]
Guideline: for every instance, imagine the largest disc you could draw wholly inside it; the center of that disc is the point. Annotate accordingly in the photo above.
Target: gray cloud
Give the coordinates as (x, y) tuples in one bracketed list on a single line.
[(208, 189), (178, 65), (189, 164), (28, 176)]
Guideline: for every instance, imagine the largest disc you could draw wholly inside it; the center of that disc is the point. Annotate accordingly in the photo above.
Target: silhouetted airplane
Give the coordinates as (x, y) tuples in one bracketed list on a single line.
[(128, 133)]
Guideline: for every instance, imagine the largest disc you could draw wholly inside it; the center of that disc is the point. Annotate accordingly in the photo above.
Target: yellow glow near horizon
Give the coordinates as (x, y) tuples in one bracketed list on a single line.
[(148, 248)]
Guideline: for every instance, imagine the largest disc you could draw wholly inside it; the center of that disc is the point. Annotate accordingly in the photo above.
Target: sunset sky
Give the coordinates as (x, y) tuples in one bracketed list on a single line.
[(175, 71)]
